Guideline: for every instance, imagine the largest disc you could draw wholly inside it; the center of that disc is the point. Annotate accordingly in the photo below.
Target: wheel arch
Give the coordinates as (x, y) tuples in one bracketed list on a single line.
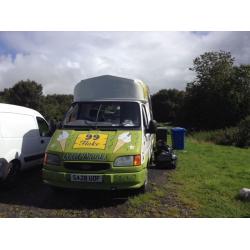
[(14, 155)]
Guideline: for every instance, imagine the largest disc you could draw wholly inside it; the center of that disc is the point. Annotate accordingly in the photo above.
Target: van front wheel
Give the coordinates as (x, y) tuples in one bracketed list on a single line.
[(14, 169), (144, 188)]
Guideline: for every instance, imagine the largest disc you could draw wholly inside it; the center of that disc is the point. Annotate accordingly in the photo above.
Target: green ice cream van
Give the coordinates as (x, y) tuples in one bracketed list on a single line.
[(106, 139)]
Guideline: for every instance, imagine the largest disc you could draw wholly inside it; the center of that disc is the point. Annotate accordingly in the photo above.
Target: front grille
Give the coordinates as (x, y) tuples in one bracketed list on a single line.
[(86, 166)]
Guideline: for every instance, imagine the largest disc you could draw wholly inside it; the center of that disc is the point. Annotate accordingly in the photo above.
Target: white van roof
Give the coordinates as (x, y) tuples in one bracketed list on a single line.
[(109, 87), (9, 108)]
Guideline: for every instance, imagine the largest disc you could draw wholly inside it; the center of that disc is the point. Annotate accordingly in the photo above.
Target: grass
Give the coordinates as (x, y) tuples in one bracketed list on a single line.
[(206, 183), (209, 177)]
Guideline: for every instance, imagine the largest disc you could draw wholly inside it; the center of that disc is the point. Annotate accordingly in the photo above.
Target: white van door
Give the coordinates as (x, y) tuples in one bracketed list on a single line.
[(44, 133), (21, 137)]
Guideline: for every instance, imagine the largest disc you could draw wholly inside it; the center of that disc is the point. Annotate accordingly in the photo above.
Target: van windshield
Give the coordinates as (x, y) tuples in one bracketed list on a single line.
[(103, 114)]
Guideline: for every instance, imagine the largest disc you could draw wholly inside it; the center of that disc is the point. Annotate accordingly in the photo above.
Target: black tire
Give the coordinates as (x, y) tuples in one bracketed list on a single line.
[(152, 159), (173, 165), (144, 188), (14, 171), (56, 189)]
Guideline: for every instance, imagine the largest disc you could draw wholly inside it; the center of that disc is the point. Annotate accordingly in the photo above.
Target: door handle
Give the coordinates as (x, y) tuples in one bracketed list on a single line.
[(42, 141)]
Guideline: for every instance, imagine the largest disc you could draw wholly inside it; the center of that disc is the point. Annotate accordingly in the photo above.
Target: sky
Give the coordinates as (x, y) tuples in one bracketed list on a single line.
[(59, 60)]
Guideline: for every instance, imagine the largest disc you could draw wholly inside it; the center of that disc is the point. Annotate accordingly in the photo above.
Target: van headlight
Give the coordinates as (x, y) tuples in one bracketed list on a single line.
[(126, 161), (52, 159)]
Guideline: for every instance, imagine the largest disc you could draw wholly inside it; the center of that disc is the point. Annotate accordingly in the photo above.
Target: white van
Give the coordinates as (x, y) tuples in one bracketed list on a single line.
[(24, 136)]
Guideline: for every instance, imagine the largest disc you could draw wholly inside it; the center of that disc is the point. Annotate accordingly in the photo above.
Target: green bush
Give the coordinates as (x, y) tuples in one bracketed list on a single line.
[(221, 136), (235, 136), (243, 133), (227, 137)]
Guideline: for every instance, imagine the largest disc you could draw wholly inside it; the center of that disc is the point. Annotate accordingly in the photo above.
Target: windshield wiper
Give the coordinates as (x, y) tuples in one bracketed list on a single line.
[(87, 128), (107, 129)]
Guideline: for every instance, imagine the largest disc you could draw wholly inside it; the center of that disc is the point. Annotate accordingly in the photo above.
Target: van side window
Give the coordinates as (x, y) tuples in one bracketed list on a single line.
[(43, 127), (145, 117), (72, 113)]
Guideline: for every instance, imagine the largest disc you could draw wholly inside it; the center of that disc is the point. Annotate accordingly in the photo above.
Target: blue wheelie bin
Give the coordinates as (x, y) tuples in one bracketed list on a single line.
[(178, 138)]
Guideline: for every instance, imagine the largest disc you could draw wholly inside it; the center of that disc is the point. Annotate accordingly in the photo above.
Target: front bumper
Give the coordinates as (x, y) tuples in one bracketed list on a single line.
[(111, 181)]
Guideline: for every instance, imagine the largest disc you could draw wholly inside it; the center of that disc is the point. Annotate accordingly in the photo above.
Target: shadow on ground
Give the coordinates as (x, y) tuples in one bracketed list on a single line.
[(30, 197), (31, 191)]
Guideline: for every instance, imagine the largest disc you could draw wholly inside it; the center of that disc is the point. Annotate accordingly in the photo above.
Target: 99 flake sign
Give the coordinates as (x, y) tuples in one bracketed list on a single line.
[(88, 140)]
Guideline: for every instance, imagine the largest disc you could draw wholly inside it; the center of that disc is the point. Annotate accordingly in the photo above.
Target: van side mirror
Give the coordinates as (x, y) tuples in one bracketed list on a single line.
[(59, 125), (152, 127), (52, 126)]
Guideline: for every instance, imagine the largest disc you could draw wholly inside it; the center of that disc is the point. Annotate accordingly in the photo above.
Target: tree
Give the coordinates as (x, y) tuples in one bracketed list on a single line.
[(55, 106), (29, 94), (241, 90), (2, 99), (211, 99), (25, 93), (212, 67), (166, 104)]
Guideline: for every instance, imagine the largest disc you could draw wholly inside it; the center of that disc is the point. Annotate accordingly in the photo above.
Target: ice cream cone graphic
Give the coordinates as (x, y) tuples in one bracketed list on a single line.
[(63, 143), (122, 139), (62, 138), (118, 145)]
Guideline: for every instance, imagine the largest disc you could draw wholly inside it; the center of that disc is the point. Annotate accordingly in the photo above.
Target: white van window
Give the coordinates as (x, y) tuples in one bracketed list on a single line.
[(43, 127), (72, 113), (18, 125)]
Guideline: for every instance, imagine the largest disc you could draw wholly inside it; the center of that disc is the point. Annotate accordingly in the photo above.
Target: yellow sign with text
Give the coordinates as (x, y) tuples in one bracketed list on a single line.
[(86, 140)]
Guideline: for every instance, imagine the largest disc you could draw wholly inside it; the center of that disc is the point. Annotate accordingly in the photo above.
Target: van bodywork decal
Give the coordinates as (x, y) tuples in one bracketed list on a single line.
[(90, 140), (84, 157), (131, 143), (62, 138), (123, 138)]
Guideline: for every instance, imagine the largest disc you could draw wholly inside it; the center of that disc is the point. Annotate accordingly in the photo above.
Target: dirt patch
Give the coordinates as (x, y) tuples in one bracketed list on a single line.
[(31, 198)]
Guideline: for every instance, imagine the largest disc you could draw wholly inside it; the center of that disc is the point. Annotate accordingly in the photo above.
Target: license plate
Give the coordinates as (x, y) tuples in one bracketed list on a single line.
[(86, 178)]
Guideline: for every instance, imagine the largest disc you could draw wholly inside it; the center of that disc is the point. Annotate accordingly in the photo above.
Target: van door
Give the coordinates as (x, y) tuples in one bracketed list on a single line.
[(21, 138), (44, 134), (146, 136), (149, 113)]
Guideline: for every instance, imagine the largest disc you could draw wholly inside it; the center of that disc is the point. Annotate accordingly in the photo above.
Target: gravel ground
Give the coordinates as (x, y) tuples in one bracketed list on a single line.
[(31, 198)]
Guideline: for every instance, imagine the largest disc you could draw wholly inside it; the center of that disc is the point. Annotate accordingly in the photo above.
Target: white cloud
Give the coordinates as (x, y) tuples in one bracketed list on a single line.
[(59, 60)]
